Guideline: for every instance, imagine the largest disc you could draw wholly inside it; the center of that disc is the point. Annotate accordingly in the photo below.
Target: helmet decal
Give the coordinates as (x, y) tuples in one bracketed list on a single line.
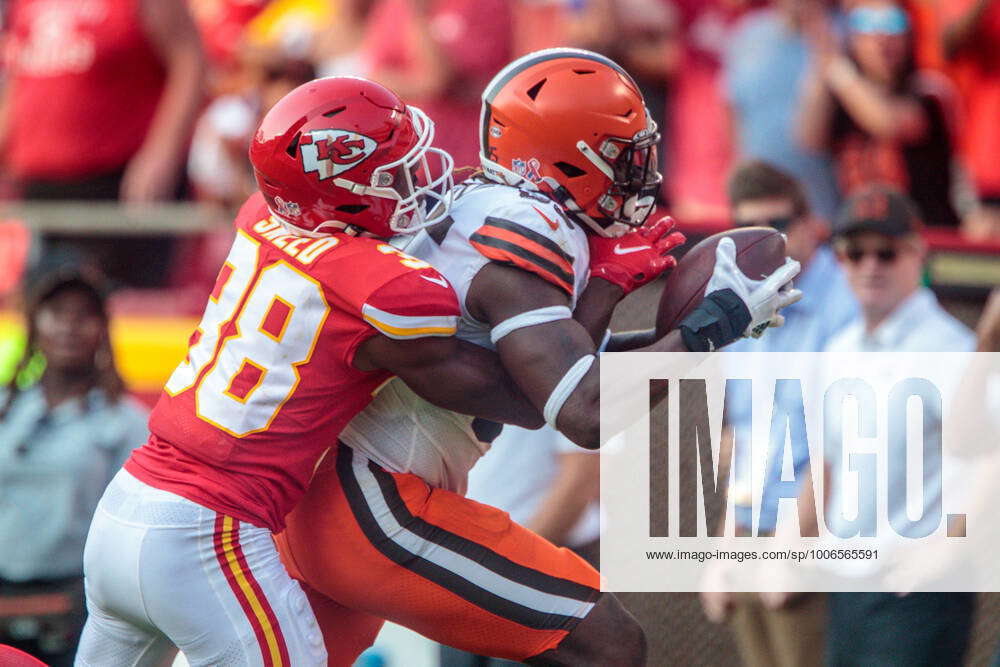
[(371, 170), (332, 152), (287, 209)]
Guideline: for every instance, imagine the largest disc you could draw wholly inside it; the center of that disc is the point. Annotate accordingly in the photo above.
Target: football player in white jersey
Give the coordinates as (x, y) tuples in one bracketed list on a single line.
[(539, 249)]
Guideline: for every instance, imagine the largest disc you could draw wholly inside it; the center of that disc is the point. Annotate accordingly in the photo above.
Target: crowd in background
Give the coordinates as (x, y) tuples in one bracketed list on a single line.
[(785, 113), (102, 97)]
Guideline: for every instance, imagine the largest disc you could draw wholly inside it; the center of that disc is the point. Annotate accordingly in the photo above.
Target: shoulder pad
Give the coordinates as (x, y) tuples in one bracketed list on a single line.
[(415, 302)]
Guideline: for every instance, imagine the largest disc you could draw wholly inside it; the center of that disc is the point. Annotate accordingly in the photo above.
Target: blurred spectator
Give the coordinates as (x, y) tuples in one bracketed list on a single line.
[(290, 27), (786, 630), (698, 124), (547, 484), (541, 24), (337, 49), (762, 195), (99, 101), (217, 163), (221, 24), (880, 248), (882, 119), (766, 62), (439, 55), (971, 41), (62, 437), (643, 36)]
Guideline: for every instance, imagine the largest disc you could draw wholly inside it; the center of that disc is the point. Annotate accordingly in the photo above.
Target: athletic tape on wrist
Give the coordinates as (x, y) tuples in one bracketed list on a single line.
[(528, 319), (566, 387)]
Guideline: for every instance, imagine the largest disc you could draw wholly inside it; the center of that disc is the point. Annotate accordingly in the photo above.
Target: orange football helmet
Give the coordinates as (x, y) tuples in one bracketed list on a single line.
[(574, 125)]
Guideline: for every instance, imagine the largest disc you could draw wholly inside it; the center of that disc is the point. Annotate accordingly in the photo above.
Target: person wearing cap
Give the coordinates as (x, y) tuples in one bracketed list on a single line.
[(66, 427), (878, 242)]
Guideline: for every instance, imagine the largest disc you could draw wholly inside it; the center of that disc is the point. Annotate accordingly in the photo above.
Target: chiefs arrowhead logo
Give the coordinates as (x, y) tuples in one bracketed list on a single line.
[(332, 152)]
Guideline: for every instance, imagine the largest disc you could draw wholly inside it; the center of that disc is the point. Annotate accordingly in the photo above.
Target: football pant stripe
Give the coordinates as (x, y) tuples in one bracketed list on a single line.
[(482, 555), (461, 566), (506, 252), (275, 625), (248, 593)]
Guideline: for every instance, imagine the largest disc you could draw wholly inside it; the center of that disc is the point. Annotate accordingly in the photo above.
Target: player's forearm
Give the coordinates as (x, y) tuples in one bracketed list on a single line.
[(473, 381), (595, 307), (631, 340)]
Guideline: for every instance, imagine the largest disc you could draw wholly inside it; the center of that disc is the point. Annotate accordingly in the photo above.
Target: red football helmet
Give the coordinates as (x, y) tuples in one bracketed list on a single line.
[(344, 154), (573, 124)]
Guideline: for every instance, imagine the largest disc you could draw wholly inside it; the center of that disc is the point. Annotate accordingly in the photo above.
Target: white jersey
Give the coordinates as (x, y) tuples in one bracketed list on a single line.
[(489, 222)]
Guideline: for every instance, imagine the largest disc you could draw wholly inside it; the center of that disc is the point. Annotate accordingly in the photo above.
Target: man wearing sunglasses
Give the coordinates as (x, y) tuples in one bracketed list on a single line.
[(776, 628), (878, 242)]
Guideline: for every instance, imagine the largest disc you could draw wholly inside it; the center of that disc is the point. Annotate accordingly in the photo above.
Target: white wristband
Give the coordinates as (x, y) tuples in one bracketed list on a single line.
[(566, 387), (604, 341), (529, 318)]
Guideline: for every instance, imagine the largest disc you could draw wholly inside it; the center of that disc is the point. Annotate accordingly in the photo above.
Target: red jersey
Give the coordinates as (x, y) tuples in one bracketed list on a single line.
[(269, 381), (85, 82)]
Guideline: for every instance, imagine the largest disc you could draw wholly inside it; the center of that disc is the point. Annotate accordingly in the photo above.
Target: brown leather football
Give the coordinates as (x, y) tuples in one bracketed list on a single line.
[(759, 251)]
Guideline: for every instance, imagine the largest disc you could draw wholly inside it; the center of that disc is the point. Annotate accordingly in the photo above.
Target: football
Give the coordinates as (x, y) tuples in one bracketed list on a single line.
[(759, 251)]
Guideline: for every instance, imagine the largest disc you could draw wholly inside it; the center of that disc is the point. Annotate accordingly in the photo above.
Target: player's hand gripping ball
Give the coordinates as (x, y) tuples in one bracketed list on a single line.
[(634, 259), (755, 259)]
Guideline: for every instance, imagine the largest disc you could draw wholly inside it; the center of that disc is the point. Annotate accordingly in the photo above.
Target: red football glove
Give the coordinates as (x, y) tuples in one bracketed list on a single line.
[(632, 260)]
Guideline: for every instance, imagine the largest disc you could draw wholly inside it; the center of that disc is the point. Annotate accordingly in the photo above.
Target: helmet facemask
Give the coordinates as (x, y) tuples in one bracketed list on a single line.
[(421, 181), (631, 166)]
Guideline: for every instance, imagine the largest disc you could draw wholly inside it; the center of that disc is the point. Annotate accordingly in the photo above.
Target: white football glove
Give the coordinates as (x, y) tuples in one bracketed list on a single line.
[(763, 298)]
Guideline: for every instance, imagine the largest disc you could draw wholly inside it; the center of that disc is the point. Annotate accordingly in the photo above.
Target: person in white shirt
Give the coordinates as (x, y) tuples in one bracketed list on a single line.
[(878, 242)]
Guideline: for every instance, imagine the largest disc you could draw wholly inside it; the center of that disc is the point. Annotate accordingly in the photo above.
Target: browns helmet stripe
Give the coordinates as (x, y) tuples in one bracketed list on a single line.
[(524, 62)]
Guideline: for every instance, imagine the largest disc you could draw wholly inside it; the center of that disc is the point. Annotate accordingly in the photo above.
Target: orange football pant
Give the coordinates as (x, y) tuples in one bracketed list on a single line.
[(372, 545)]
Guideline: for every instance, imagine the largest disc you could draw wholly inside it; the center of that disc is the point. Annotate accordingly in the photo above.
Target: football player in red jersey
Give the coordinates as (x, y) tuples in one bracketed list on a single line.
[(311, 312), (539, 251)]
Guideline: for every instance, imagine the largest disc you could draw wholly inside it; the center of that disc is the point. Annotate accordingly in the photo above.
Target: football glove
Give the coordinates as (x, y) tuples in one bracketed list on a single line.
[(635, 258), (735, 305)]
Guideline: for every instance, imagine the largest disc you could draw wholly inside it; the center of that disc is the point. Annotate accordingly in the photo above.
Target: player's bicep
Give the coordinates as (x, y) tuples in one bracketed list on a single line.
[(455, 375)]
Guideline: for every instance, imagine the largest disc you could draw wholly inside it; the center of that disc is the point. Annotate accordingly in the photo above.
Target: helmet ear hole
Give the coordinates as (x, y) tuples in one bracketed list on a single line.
[(293, 145), (535, 89), (569, 170)]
